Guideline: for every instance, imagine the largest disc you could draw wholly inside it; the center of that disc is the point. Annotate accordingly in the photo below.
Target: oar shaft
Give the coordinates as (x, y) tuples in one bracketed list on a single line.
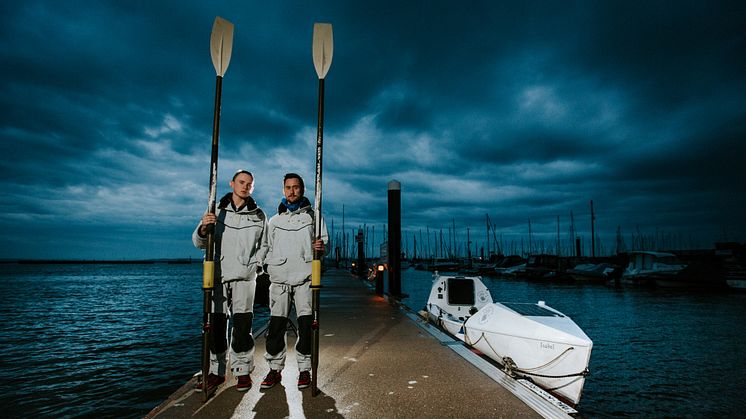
[(214, 158), (315, 302), (208, 274), (317, 254), (319, 165), (206, 337)]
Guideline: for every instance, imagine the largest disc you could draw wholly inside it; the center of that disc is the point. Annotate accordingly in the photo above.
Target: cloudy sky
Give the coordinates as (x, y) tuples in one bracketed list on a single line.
[(517, 110)]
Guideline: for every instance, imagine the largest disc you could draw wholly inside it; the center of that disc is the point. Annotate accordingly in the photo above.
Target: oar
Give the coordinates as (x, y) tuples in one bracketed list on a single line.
[(323, 47), (221, 45)]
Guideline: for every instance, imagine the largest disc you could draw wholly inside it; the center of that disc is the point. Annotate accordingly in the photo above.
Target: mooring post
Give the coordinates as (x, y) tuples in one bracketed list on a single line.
[(394, 250), (379, 280), (593, 232), (361, 265)]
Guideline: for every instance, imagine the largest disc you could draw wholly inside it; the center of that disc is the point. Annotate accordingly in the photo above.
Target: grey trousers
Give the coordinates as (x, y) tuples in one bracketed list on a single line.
[(280, 298), (234, 299)]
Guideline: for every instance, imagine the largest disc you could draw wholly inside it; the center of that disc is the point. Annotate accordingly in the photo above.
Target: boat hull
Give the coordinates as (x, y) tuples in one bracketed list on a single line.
[(529, 339), (550, 349)]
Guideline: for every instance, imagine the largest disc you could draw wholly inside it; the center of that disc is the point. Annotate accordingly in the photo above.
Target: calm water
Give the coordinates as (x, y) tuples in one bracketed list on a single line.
[(116, 340), (97, 340)]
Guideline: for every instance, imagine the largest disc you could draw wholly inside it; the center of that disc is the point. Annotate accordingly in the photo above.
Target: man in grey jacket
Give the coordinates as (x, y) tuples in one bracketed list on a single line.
[(291, 240), (240, 247)]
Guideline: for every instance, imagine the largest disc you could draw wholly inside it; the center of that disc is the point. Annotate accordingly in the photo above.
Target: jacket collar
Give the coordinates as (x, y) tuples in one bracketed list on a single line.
[(305, 205), (227, 201)]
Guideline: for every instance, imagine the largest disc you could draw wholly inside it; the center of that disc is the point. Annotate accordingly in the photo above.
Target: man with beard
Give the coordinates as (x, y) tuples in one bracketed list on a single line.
[(291, 241)]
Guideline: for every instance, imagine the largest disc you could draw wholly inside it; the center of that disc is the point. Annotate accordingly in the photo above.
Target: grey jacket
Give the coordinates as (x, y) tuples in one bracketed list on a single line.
[(240, 243), (289, 241)]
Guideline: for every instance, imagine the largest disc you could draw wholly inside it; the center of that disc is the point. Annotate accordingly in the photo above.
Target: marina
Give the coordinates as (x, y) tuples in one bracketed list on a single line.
[(657, 352), (562, 237), (721, 267)]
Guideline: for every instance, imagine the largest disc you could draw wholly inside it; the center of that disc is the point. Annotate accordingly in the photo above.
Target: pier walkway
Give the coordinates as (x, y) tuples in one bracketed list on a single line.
[(374, 361)]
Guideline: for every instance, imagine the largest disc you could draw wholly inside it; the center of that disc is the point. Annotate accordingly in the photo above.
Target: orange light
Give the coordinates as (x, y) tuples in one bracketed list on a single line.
[(380, 268)]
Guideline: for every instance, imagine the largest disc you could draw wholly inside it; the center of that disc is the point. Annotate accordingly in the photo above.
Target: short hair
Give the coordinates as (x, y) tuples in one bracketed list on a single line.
[(239, 171), (295, 176)]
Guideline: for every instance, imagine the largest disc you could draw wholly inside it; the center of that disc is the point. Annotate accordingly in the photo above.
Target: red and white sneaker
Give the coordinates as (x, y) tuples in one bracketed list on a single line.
[(273, 377), (304, 380), (213, 380), (244, 383)]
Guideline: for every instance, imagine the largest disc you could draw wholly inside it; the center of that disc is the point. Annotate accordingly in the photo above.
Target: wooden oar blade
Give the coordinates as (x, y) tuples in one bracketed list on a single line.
[(323, 48), (221, 45)]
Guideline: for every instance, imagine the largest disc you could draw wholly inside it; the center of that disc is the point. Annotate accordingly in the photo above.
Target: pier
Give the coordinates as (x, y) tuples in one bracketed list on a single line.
[(377, 359)]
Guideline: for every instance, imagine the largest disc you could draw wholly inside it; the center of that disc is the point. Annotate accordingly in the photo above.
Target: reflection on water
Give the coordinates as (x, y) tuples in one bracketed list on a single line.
[(116, 340)]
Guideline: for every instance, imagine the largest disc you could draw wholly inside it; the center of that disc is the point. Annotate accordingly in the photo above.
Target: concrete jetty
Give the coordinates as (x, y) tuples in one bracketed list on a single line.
[(375, 360)]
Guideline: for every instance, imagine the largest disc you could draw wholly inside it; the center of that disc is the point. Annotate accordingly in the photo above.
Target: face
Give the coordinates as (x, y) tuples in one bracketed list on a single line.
[(243, 185), (293, 191)]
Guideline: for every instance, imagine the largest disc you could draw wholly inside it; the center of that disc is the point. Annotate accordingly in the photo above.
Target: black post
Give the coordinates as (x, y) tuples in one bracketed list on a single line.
[(394, 250), (593, 232), (361, 268), (577, 247), (379, 280), (468, 244)]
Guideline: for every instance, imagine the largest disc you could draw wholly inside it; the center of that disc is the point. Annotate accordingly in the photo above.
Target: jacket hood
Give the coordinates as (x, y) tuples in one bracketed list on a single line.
[(227, 200)]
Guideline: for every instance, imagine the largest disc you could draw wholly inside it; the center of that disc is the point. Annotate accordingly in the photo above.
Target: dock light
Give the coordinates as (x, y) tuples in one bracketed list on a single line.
[(379, 278)]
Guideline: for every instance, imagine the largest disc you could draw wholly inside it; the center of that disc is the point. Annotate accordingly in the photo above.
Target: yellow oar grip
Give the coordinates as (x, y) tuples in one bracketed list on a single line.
[(208, 274), (316, 273)]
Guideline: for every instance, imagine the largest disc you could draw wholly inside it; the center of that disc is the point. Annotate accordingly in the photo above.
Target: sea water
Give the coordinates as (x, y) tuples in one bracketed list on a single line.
[(115, 340), (103, 340)]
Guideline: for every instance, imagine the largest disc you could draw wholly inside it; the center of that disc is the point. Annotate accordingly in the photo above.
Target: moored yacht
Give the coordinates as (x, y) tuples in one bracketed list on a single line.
[(647, 266)]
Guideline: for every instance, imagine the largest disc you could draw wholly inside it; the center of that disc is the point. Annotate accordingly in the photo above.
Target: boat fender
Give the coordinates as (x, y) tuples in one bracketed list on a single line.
[(473, 310)]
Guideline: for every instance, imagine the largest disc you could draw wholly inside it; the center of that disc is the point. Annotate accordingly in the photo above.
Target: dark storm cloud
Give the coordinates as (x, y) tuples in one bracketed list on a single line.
[(669, 52), (518, 111)]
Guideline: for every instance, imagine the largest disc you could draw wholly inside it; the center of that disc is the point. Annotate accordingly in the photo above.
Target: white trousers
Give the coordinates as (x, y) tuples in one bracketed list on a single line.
[(231, 298), (281, 296)]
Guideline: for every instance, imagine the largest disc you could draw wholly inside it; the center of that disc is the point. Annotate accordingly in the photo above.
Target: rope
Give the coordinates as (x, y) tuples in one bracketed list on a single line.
[(553, 360), (570, 382), (440, 315), (583, 373), (512, 369)]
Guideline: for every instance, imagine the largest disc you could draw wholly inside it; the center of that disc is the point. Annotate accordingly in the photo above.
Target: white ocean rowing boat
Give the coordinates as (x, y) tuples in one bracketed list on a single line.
[(530, 340)]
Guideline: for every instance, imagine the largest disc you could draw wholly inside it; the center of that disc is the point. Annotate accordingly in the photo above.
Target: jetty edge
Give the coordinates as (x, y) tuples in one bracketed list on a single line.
[(379, 360)]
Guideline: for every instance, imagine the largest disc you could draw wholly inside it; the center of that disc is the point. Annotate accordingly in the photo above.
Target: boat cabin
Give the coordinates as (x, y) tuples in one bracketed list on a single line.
[(457, 296)]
